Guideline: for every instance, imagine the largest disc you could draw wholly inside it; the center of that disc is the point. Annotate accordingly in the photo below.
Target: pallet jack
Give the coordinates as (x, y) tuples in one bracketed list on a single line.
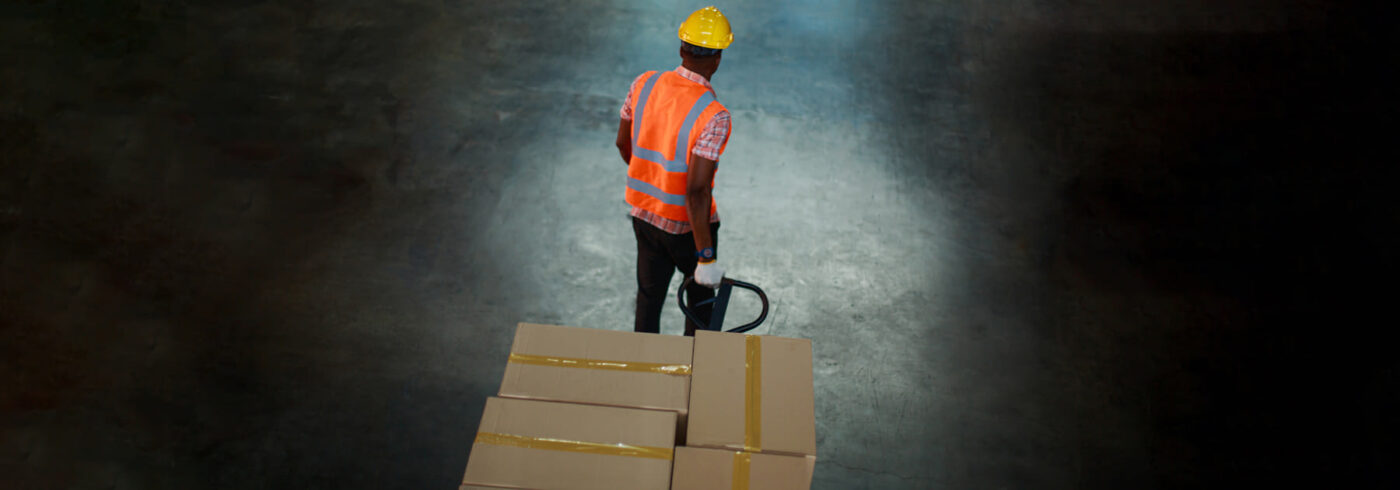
[(721, 302)]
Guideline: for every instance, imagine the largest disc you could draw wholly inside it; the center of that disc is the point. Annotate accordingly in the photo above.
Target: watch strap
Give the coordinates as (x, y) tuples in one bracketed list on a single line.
[(706, 254)]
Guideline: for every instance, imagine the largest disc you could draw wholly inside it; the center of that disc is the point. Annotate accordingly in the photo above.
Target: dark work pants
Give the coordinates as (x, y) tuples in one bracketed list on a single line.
[(659, 254)]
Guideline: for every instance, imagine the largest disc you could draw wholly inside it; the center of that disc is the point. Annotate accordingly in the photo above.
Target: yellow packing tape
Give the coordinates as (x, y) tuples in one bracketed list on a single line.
[(573, 446), (573, 362), (740, 481), (753, 391)]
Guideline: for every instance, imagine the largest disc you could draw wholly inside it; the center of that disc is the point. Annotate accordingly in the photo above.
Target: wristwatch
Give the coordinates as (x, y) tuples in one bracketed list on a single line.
[(706, 254)]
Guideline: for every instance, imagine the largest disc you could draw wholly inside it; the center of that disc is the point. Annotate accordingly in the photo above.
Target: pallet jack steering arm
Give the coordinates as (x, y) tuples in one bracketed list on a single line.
[(721, 302)]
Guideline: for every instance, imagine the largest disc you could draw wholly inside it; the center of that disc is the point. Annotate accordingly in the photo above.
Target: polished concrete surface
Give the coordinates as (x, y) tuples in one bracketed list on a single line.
[(1036, 243)]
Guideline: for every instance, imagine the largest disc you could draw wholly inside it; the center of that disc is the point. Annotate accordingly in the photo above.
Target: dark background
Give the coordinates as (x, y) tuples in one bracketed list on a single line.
[(1039, 244)]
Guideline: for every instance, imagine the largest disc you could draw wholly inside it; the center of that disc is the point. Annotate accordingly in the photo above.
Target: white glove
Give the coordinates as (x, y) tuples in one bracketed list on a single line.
[(709, 274)]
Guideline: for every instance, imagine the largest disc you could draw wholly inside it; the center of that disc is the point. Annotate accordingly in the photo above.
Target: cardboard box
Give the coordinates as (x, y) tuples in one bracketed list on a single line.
[(600, 367), (752, 393), (709, 469), (549, 445)]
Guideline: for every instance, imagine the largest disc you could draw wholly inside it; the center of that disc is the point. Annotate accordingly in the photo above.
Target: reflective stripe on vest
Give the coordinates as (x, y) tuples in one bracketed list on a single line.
[(651, 190), (678, 162)]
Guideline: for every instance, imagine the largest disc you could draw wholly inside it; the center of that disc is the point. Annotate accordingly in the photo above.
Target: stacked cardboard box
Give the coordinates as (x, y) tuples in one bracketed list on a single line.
[(598, 409), (600, 367), (752, 414), (584, 408), (548, 445), (708, 469)]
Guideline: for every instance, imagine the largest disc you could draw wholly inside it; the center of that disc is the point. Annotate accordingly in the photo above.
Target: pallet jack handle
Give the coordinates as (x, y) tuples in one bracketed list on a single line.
[(721, 302)]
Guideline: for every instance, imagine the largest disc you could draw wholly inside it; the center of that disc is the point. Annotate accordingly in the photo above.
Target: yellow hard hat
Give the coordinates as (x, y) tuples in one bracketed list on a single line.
[(707, 28)]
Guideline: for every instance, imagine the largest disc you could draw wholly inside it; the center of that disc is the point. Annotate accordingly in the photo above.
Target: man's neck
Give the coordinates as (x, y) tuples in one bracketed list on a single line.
[(698, 71)]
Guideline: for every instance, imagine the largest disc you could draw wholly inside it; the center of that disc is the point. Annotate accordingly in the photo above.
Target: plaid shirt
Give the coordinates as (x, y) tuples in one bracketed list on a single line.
[(708, 145)]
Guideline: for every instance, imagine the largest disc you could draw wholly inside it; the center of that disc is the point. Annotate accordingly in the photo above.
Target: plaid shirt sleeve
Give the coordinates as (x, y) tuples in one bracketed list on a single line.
[(627, 102), (712, 139)]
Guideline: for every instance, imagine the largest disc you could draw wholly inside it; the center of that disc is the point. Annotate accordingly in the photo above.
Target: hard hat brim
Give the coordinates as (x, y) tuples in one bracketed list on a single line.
[(706, 43)]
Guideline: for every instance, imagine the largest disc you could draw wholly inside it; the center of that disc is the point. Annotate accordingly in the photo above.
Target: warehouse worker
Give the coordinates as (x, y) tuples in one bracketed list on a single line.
[(671, 135)]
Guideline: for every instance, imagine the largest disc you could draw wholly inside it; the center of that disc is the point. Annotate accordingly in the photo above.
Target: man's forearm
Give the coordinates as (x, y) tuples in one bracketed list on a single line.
[(697, 205), (624, 140)]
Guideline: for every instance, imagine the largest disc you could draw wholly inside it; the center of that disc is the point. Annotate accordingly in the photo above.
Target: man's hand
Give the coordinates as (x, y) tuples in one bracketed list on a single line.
[(709, 274)]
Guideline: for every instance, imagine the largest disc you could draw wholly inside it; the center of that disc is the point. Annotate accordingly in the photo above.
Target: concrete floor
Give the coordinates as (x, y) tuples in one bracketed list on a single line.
[(1037, 243)]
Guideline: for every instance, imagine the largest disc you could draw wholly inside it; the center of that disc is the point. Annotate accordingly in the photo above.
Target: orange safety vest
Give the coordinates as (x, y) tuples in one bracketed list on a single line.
[(668, 115)]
